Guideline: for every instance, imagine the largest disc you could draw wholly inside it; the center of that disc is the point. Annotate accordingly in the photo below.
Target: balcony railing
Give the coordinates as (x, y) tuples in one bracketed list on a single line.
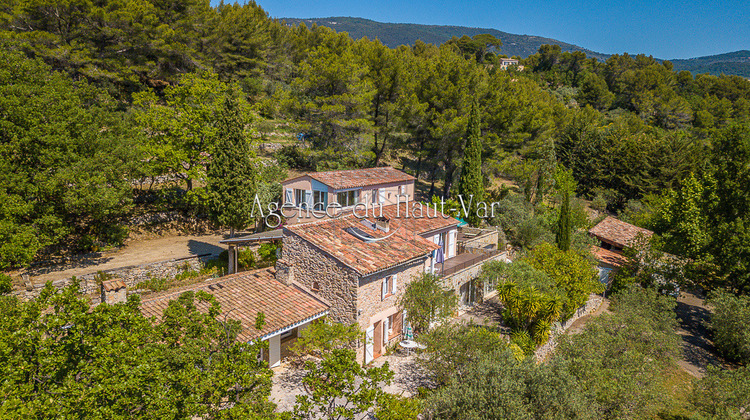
[(464, 261)]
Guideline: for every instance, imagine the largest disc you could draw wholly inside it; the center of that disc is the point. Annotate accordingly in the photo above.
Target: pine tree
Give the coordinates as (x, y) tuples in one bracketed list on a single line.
[(231, 174), (471, 183)]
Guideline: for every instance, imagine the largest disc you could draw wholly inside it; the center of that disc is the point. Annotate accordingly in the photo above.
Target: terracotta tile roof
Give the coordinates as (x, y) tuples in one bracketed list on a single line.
[(111, 285), (359, 177), (333, 236), (608, 257), (242, 296), (617, 232)]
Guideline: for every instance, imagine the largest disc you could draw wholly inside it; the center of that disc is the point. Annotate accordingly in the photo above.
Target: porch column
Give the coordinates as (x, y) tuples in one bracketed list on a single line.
[(274, 351), (232, 260)]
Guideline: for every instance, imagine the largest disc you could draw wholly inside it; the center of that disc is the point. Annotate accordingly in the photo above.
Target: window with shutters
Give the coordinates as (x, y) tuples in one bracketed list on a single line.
[(299, 197), (387, 286)]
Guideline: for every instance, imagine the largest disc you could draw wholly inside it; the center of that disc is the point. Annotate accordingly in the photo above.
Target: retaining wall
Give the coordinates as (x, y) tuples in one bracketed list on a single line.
[(89, 284), (591, 305)]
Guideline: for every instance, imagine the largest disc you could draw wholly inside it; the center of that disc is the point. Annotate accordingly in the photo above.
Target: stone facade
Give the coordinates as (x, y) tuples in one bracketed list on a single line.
[(369, 301), (132, 275), (323, 275)]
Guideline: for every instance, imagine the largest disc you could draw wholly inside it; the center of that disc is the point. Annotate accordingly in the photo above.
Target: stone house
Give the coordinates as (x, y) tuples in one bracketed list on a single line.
[(360, 257), (362, 266)]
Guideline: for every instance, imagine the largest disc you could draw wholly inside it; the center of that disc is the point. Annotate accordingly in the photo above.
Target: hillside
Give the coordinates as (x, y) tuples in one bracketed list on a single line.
[(737, 63), (395, 34)]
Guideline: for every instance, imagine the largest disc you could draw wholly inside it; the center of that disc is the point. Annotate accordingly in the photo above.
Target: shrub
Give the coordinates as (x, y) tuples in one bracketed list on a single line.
[(623, 357), (292, 157), (321, 337), (730, 322), (6, 284), (155, 284), (267, 254), (246, 259), (723, 393), (218, 264), (452, 349), (499, 386)]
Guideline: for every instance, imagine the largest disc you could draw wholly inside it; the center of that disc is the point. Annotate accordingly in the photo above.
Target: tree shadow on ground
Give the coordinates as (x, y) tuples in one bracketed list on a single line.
[(203, 248)]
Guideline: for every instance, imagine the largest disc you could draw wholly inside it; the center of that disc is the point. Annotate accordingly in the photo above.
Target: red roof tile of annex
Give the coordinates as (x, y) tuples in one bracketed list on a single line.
[(355, 178), (617, 232), (242, 296), (403, 242), (608, 257)]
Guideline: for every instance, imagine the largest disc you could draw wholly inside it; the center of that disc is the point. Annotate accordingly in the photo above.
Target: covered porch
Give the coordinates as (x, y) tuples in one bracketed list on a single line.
[(246, 240)]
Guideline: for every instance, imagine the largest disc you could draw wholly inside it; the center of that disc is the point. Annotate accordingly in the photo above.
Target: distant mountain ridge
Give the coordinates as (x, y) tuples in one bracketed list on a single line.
[(737, 63), (395, 34)]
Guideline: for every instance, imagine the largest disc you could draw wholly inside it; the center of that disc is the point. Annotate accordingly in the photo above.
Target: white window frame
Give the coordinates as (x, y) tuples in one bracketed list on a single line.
[(320, 197), (356, 198)]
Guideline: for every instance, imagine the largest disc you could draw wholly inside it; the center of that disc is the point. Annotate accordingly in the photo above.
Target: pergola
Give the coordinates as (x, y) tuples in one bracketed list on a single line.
[(234, 243)]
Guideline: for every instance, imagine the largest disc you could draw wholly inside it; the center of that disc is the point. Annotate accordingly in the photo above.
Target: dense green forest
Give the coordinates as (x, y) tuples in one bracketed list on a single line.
[(97, 96)]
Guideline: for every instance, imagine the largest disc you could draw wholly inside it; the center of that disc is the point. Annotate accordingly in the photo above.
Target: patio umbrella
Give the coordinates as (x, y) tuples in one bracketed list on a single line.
[(408, 335)]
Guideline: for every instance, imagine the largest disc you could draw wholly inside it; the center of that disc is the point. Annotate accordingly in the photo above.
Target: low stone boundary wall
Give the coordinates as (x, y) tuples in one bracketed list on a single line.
[(132, 275), (591, 305)]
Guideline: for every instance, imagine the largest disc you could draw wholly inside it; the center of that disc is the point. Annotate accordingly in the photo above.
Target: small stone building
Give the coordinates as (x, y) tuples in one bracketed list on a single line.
[(614, 236)]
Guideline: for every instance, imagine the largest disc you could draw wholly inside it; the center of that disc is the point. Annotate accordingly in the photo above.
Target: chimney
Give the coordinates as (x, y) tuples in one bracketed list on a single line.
[(284, 272), (383, 223), (114, 291)]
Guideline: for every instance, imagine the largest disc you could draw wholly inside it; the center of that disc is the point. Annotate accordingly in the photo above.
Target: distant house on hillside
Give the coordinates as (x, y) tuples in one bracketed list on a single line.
[(506, 62)]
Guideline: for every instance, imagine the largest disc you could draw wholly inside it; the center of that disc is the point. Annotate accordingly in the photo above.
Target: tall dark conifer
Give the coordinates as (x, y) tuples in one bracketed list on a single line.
[(566, 185), (563, 223), (471, 183), (231, 174)]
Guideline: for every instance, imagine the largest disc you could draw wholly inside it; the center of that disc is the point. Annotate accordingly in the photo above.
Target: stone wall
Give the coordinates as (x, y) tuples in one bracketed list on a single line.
[(132, 275), (591, 305), (484, 239), (369, 299), (335, 282), (456, 280)]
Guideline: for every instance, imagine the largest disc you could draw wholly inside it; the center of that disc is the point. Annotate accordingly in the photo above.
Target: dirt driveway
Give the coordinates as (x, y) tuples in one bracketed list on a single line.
[(698, 351), (135, 253)]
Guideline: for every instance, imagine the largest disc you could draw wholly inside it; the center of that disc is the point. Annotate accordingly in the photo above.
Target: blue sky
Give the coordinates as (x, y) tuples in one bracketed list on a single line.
[(664, 29)]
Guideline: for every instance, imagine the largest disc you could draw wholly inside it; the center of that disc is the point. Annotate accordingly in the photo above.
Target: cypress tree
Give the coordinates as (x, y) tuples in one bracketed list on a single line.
[(566, 185), (563, 223), (471, 182), (231, 174)]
